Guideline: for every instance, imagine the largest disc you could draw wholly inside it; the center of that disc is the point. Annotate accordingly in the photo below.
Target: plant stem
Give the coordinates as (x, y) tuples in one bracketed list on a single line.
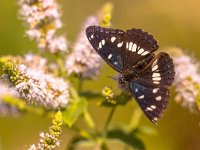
[(74, 93), (61, 66), (109, 119), (89, 120), (80, 84)]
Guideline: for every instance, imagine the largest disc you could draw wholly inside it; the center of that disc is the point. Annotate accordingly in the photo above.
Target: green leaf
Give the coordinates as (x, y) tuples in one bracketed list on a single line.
[(74, 110), (127, 138)]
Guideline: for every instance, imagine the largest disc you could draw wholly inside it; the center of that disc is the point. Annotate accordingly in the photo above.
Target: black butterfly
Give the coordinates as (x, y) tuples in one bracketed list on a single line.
[(147, 75)]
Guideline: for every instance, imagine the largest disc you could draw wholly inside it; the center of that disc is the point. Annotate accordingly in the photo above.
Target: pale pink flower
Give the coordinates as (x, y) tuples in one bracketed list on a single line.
[(42, 18), (84, 60)]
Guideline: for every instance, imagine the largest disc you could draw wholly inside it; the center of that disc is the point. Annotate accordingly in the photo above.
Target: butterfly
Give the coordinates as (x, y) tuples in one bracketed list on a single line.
[(131, 53)]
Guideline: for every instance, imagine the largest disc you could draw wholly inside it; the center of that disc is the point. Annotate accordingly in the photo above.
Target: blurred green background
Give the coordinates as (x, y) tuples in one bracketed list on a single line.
[(173, 23)]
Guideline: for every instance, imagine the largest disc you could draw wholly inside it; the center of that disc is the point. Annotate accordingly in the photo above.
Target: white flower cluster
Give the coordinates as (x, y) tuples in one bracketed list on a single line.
[(35, 86), (42, 146), (35, 61), (84, 60), (42, 18), (187, 81)]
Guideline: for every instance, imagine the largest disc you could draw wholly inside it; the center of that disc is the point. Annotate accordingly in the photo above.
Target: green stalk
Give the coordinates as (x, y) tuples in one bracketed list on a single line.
[(89, 120), (61, 66), (80, 84), (109, 119)]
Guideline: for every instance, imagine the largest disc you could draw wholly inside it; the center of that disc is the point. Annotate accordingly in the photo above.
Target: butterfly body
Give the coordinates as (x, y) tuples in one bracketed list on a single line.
[(131, 74), (131, 53)]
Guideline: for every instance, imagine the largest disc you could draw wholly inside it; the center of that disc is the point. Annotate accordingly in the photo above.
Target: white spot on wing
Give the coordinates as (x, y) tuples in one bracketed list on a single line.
[(120, 44), (136, 89), (140, 51), (158, 98), (149, 109), (141, 97), (145, 53), (126, 45), (153, 106), (130, 46), (100, 45), (156, 82), (155, 68), (113, 39), (155, 62), (155, 75), (109, 56), (92, 36), (155, 90), (103, 42), (134, 48), (157, 78), (155, 119)]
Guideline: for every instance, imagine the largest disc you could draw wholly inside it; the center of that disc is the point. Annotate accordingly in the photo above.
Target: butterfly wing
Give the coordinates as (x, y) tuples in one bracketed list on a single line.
[(139, 45), (121, 50), (160, 71), (152, 99), (150, 90), (109, 44)]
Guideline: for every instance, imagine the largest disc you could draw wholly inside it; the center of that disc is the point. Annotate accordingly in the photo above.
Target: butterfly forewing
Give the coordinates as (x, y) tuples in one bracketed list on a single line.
[(139, 45), (108, 43), (152, 99)]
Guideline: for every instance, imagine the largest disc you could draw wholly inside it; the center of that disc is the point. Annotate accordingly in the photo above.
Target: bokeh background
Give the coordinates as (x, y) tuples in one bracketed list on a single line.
[(173, 23)]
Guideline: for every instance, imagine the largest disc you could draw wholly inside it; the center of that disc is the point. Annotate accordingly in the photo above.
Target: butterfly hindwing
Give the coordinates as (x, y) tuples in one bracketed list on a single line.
[(139, 44), (160, 71), (152, 99), (108, 43)]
